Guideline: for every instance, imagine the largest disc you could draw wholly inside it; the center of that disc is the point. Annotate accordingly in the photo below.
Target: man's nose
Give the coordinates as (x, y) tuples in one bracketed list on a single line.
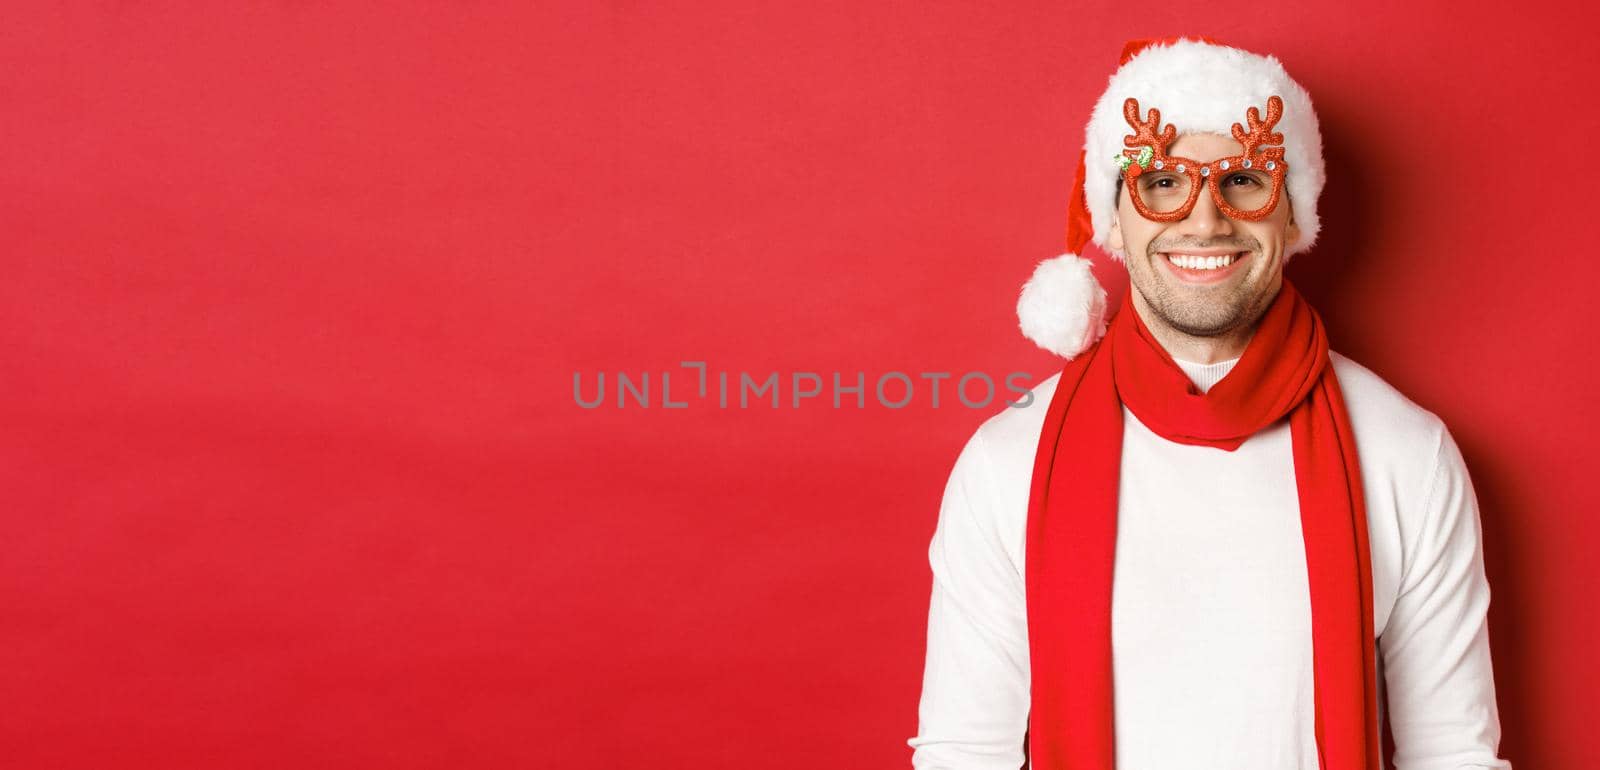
[(1205, 220)]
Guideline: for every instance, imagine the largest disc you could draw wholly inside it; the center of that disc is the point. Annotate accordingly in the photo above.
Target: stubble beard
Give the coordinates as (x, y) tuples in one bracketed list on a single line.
[(1219, 311)]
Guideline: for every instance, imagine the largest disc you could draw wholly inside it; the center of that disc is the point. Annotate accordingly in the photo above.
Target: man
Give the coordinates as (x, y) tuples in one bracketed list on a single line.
[(1209, 542)]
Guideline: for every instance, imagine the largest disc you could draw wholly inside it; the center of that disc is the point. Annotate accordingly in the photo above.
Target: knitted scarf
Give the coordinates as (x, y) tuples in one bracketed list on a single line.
[(1072, 523)]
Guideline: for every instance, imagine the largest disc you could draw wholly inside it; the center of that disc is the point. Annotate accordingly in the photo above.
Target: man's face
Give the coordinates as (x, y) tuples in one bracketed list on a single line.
[(1203, 303)]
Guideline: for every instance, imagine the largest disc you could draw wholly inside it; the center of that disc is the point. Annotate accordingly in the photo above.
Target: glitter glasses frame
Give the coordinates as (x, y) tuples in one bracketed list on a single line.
[(1150, 143)]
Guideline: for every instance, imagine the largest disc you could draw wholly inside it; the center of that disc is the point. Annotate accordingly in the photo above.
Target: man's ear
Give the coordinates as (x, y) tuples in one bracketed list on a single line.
[(1114, 237), (1291, 234)]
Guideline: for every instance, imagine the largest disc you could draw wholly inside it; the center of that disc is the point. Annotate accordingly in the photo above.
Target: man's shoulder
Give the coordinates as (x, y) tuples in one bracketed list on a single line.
[(1008, 439), (1378, 410), (1397, 440), (1023, 421), (994, 469)]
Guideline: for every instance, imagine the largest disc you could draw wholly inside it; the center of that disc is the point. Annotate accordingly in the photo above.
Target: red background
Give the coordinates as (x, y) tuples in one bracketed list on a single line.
[(294, 296)]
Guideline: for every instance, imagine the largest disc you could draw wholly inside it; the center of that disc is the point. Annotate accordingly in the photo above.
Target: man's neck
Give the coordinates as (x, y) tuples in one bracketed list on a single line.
[(1189, 347)]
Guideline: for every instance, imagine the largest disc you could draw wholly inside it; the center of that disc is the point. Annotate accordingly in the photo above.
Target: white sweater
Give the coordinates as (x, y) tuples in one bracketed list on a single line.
[(1211, 614)]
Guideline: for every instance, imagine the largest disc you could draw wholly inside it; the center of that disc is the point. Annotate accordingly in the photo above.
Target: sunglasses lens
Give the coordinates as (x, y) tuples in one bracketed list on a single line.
[(1161, 191), (1247, 190)]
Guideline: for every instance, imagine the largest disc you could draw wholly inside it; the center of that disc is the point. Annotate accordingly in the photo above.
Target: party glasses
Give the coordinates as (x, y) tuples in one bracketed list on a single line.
[(1164, 188)]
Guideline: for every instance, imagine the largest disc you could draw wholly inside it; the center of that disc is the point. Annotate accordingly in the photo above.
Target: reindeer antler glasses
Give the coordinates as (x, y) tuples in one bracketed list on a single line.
[(1164, 188)]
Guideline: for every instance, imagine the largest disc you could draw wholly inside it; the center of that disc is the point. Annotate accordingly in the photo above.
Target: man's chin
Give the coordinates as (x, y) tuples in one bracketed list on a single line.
[(1211, 324), (1203, 331)]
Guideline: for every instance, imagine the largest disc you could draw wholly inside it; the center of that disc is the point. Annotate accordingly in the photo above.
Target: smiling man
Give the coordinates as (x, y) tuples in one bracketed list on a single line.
[(1211, 542), (1202, 280)]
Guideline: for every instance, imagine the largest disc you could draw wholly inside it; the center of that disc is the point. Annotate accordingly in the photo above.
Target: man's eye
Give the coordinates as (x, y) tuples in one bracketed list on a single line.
[(1242, 180), (1166, 185)]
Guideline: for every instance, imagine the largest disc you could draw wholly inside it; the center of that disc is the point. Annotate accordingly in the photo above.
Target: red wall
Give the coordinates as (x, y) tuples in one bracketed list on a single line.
[(293, 298)]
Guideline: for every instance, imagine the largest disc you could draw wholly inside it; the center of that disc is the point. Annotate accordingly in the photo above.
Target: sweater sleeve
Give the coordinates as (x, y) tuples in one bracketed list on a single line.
[(975, 689), (1440, 684)]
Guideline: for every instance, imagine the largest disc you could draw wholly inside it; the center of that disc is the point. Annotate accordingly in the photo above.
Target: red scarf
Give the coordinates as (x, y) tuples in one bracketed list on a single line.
[(1072, 523)]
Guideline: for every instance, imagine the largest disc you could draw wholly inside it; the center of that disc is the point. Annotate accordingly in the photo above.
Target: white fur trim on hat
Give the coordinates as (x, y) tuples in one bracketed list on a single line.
[(1203, 88), (1062, 307)]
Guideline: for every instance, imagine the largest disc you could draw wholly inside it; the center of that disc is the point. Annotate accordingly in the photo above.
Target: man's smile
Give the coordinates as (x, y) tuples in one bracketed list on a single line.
[(1203, 266)]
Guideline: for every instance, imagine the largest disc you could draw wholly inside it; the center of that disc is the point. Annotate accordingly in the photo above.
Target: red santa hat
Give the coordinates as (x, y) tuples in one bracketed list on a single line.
[(1199, 86)]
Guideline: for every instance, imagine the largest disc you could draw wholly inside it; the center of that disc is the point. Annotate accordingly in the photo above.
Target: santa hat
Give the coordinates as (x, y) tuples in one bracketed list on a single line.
[(1199, 86)]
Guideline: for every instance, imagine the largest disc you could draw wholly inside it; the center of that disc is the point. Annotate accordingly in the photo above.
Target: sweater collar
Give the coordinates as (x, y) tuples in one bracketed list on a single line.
[(1205, 375)]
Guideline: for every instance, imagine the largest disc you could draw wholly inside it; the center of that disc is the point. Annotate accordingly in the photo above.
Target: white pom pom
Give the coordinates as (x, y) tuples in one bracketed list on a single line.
[(1062, 307)]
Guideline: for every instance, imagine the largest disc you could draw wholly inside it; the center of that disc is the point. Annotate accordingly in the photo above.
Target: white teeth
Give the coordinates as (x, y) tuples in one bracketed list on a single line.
[(1193, 262)]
